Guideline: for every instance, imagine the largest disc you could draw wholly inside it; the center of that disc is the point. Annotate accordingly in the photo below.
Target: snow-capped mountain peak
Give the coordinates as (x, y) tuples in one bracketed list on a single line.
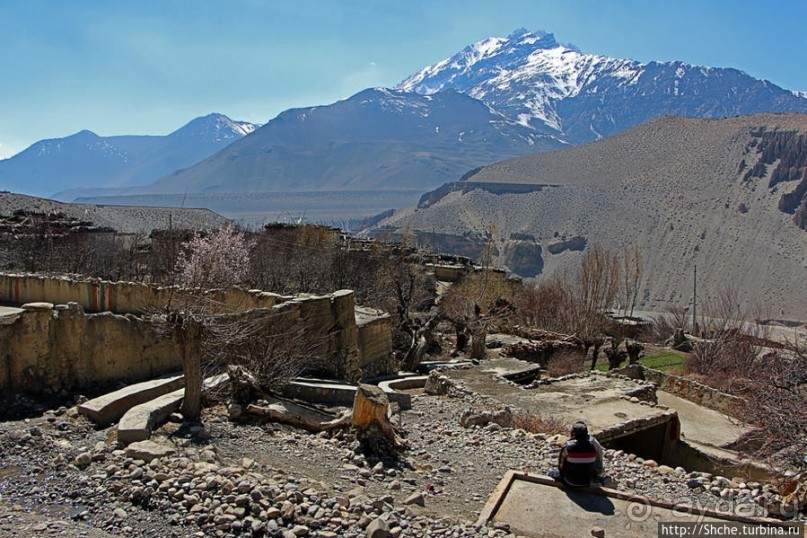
[(558, 90), (242, 128), (523, 75), (217, 127)]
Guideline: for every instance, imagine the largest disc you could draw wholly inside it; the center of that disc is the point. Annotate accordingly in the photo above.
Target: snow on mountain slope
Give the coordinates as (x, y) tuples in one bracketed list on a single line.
[(557, 89), (216, 128), (523, 75)]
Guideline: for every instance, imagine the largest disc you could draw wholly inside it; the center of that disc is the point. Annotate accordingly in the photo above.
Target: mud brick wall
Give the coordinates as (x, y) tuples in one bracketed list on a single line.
[(52, 348), (71, 346), (375, 344)]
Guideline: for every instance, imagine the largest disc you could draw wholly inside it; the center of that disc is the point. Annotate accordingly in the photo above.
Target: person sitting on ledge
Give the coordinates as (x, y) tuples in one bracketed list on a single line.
[(580, 459)]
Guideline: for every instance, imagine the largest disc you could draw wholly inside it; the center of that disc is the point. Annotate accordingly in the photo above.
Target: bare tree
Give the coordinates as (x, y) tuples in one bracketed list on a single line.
[(732, 339), (631, 279), (478, 302), (413, 300), (663, 326), (216, 260), (776, 399), (579, 304), (598, 280)]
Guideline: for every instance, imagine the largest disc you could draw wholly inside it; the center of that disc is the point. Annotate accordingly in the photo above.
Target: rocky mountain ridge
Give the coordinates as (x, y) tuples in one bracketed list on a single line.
[(496, 99)]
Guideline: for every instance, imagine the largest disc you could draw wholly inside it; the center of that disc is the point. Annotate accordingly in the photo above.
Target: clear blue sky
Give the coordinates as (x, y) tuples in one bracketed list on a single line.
[(149, 66)]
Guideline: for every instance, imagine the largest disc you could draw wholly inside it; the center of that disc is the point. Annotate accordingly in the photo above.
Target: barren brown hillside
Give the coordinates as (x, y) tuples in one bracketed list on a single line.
[(687, 191)]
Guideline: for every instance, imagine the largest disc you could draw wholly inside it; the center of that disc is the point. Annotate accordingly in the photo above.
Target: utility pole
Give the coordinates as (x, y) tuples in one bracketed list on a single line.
[(694, 299)]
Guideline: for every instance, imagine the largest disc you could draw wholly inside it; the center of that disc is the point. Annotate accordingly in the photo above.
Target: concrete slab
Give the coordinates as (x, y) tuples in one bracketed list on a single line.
[(537, 506), (404, 383), (703, 425), (138, 423), (597, 399), (9, 315), (112, 406)]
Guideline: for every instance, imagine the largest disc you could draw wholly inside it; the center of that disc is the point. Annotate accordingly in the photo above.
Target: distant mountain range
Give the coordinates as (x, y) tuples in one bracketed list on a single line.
[(377, 139), (498, 98), (729, 195), (88, 160)]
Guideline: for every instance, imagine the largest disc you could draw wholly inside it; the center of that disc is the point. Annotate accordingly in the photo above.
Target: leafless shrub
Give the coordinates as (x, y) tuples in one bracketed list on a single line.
[(776, 399), (663, 326), (561, 364), (736, 355), (732, 340), (534, 423), (271, 345)]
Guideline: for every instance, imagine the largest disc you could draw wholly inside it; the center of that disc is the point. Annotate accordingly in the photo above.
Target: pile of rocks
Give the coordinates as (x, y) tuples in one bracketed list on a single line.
[(195, 489)]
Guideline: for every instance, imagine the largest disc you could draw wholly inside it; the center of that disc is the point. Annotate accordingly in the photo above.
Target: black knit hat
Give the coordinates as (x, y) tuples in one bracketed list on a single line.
[(580, 430)]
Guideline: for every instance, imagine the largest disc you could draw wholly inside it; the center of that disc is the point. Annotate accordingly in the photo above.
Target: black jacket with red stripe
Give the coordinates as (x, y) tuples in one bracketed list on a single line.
[(578, 459)]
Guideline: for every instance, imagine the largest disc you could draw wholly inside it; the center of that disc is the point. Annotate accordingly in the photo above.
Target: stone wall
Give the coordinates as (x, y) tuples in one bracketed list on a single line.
[(63, 346), (49, 348), (375, 342), (687, 389), (447, 273)]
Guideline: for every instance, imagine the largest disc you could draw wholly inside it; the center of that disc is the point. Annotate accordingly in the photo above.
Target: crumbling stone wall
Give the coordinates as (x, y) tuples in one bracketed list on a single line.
[(63, 346), (687, 389), (49, 348), (375, 342)]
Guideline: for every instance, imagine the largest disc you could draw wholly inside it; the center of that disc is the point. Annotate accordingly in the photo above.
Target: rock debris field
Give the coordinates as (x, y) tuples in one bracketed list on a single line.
[(59, 476)]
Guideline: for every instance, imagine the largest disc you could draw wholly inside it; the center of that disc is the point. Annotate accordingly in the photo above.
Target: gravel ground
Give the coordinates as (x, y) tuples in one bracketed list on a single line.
[(61, 476)]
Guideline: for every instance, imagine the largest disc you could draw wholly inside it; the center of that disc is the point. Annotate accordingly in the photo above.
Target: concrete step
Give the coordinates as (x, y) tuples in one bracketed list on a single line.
[(138, 423), (110, 407)]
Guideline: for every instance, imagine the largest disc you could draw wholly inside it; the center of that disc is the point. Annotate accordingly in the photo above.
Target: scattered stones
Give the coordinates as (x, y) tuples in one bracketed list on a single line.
[(148, 451), (235, 411), (268, 480), (415, 498), (83, 460), (378, 528)]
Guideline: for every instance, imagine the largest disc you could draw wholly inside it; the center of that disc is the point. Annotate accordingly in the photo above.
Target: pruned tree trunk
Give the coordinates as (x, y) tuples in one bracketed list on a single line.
[(595, 353), (478, 348), (370, 418), (188, 334), (421, 340), (417, 349), (461, 330), (244, 386), (615, 357), (634, 350)]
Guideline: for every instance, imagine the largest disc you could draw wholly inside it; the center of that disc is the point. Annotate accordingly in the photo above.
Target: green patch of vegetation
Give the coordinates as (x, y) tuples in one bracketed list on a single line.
[(664, 360)]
